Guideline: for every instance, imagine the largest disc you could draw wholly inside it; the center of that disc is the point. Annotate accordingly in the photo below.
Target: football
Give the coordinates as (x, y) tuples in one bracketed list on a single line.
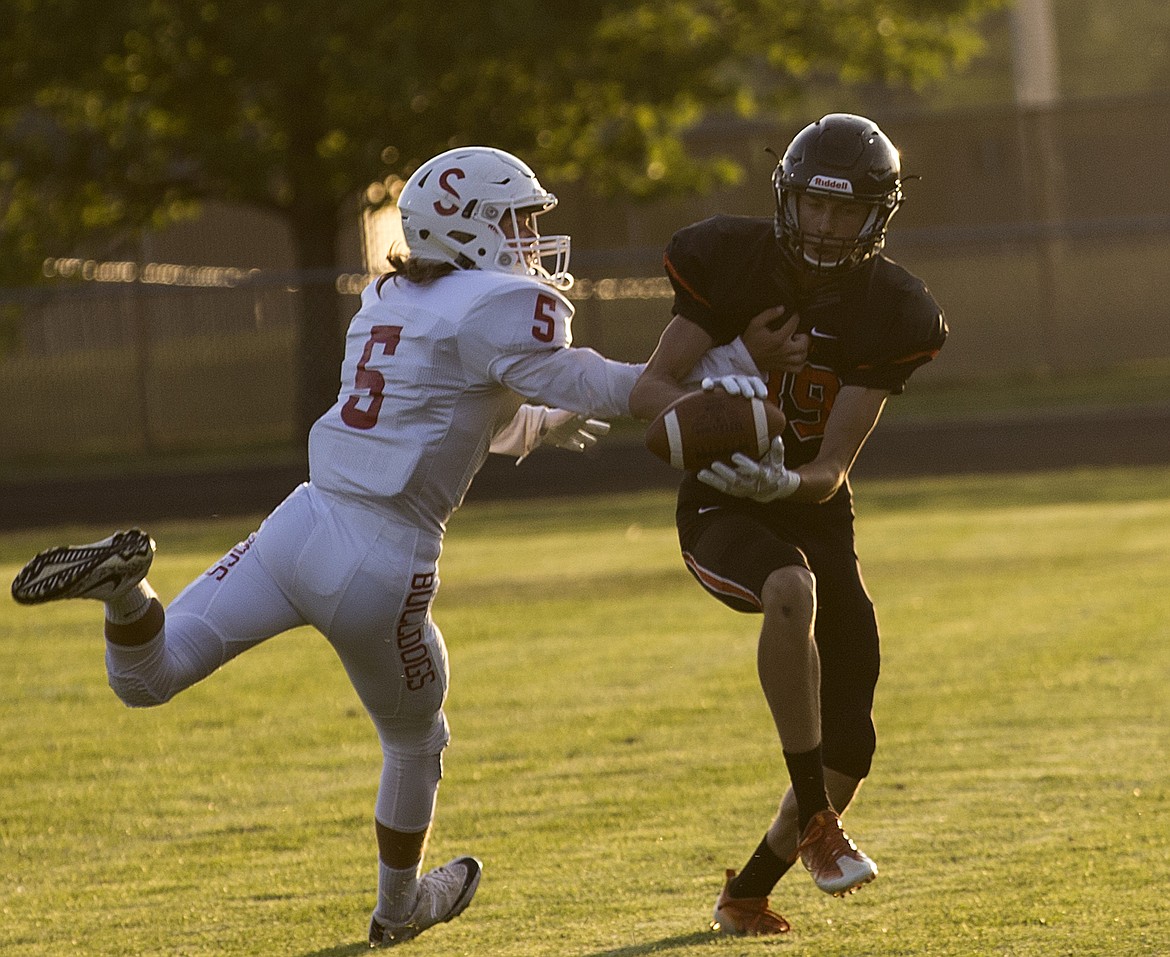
[(704, 427)]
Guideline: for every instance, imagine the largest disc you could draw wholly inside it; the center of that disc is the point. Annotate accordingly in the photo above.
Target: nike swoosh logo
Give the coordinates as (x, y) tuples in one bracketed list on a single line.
[(111, 579), (707, 508), (822, 335)]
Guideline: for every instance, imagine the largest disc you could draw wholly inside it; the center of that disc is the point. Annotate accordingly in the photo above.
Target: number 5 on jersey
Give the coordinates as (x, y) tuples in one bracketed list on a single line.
[(545, 318), (370, 381)]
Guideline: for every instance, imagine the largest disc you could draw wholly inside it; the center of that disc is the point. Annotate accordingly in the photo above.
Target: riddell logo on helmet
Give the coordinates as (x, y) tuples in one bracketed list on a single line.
[(827, 182)]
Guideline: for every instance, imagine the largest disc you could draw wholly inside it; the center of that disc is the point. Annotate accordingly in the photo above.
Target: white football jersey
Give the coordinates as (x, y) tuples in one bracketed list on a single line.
[(431, 372)]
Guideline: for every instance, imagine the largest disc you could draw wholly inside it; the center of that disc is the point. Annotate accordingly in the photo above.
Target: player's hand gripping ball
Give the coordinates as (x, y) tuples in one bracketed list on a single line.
[(711, 425)]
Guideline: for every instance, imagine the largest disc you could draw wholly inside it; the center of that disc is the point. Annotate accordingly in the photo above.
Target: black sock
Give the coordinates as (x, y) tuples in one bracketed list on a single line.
[(759, 874), (808, 783)]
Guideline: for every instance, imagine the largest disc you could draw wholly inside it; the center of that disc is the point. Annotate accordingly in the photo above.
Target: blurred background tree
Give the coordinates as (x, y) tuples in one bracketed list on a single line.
[(123, 119)]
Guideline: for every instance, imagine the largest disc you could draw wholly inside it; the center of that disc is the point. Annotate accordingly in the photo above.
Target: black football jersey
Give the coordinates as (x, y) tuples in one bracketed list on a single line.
[(871, 326)]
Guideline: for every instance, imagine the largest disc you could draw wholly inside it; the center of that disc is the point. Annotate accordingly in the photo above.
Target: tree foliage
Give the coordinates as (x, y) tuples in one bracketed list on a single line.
[(125, 116)]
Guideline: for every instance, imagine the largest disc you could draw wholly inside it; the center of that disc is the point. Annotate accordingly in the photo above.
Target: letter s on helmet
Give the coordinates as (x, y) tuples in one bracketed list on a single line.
[(453, 207), (843, 156)]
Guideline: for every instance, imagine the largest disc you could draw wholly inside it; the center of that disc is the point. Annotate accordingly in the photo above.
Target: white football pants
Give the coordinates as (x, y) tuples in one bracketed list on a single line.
[(366, 582)]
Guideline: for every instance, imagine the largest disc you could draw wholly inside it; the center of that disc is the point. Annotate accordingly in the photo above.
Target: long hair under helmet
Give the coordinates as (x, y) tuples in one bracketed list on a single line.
[(845, 157), (454, 204)]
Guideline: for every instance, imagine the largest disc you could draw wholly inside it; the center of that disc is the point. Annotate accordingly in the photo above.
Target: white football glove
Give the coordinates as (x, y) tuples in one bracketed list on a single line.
[(767, 480), (576, 433), (746, 385), (535, 425)]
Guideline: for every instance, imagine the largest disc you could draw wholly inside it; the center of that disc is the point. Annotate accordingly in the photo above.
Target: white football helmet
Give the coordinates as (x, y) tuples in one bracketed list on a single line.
[(475, 207)]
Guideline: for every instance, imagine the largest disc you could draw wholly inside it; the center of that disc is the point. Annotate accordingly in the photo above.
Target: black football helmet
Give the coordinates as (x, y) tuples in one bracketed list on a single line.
[(846, 157)]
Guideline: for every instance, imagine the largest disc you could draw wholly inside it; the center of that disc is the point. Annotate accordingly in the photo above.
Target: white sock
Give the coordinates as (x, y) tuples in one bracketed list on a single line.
[(127, 608), (397, 893)]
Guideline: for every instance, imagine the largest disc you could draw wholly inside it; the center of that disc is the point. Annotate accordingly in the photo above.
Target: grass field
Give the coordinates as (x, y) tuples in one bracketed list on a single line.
[(612, 753)]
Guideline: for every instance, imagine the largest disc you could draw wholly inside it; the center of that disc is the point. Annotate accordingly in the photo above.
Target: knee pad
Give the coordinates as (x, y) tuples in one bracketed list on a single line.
[(141, 675), (413, 735), (847, 637), (412, 767), (135, 693), (848, 743)]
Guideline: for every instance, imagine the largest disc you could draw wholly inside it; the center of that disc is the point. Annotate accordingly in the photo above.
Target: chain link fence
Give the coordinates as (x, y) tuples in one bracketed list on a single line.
[(1046, 237)]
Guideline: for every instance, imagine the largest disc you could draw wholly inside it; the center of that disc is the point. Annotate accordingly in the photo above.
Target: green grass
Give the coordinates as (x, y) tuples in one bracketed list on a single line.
[(612, 753)]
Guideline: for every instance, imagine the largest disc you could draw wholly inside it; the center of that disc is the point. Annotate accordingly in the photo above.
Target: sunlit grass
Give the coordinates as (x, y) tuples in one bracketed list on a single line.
[(612, 753)]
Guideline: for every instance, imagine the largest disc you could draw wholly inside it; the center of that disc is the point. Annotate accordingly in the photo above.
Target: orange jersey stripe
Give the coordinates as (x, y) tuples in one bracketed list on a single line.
[(674, 274), (718, 585)]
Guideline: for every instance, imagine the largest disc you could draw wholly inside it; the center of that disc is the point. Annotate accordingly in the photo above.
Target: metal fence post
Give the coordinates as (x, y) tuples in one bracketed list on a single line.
[(140, 323)]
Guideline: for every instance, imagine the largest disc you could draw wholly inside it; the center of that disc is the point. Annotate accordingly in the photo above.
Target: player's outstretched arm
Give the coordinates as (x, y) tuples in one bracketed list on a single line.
[(680, 347), (535, 425)]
